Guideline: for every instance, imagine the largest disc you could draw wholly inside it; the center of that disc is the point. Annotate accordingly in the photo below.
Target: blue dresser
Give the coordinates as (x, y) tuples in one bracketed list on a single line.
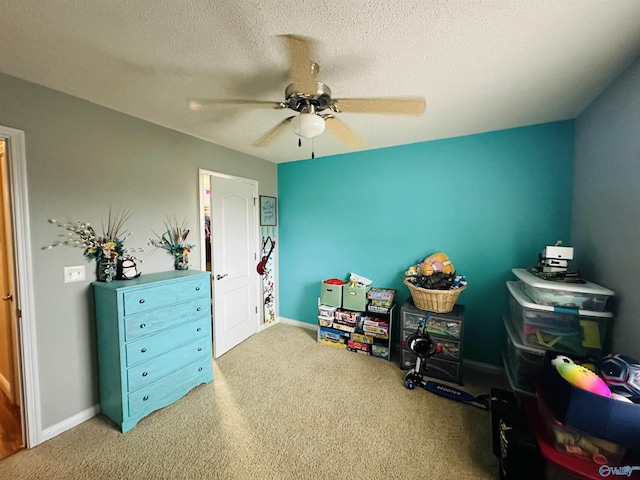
[(154, 341)]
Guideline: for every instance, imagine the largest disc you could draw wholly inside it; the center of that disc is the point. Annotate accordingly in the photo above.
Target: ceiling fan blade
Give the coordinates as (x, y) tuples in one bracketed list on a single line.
[(274, 133), (343, 133), (197, 104), (302, 68), (405, 106)]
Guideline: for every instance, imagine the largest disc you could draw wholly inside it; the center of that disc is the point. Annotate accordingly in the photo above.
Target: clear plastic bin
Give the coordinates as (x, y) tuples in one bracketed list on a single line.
[(584, 296), (580, 332)]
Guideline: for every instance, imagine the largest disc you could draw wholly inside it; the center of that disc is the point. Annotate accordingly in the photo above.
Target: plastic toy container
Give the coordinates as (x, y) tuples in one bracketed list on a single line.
[(584, 296), (580, 332), (325, 321), (562, 466), (577, 443), (326, 310), (525, 362)]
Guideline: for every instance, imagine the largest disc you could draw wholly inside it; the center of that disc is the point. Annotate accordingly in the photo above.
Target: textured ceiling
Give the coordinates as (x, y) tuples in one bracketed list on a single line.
[(480, 65)]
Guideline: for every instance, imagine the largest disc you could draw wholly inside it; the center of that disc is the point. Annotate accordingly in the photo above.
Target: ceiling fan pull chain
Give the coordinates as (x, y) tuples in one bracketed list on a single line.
[(313, 154)]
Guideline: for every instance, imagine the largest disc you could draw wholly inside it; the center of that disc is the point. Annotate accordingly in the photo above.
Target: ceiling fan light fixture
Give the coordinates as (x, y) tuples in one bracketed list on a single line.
[(308, 125)]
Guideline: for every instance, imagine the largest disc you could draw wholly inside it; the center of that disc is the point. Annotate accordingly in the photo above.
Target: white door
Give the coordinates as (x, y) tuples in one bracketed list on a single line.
[(234, 250)]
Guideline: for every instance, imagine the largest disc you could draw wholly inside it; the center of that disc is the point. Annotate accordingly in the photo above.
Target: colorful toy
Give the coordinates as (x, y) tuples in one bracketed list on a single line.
[(622, 375), (580, 377)]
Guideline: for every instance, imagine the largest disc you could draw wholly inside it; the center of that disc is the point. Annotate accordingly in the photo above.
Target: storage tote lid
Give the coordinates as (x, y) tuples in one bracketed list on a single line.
[(537, 282), (524, 301)]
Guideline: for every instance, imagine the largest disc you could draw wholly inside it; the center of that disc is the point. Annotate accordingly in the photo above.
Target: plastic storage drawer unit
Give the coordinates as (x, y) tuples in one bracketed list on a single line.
[(525, 363), (584, 296), (580, 332)]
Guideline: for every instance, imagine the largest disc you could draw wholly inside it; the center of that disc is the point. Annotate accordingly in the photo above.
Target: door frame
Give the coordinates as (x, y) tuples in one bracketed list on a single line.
[(256, 220), (15, 153)]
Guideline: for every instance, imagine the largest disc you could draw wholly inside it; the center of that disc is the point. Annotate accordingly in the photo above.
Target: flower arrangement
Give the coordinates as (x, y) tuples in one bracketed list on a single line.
[(174, 241), (108, 246)]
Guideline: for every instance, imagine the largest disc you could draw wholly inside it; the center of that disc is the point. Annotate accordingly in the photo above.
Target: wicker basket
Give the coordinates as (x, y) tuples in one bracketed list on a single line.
[(438, 301)]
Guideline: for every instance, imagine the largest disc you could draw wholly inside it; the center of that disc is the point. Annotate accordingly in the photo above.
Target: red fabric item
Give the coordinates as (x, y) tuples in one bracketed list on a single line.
[(335, 281)]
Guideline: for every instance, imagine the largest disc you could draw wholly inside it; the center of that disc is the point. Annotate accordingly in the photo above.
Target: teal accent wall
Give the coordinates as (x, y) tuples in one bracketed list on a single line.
[(490, 201)]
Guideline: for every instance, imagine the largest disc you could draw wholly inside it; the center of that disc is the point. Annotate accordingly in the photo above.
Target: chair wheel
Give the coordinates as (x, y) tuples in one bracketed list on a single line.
[(410, 384)]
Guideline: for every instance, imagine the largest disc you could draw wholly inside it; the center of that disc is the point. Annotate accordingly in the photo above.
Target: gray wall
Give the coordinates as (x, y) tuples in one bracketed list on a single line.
[(83, 159), (606, 202)]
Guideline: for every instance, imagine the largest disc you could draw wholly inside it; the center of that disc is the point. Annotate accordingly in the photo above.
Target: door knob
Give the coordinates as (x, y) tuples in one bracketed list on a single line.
[(220, 277), (7, 297)]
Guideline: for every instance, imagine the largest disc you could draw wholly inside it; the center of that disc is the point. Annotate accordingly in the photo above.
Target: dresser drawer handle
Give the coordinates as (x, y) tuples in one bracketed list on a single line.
[(198, 309), (199, 349), (144, 374), (145, 398), (197, 289), (142, 300), (142, 325), (198, 329), (200, 369), (143, 350)]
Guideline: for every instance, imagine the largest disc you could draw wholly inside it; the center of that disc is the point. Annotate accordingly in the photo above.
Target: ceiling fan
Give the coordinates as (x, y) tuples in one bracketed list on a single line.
[(312, 100)]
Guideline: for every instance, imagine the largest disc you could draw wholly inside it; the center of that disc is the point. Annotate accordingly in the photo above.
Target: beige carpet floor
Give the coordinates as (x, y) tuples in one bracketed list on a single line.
[(283, 406)]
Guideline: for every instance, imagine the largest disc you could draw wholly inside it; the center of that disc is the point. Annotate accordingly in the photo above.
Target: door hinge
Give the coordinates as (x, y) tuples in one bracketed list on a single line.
[(254, 201), (256, 309)]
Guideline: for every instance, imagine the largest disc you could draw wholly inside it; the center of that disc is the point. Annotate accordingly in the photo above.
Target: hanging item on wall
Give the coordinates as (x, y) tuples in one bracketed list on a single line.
[(268, 211), (266, 269), (265, 258)]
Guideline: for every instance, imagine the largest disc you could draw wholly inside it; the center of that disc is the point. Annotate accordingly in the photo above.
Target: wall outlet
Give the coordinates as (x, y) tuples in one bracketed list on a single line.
[(74, 274)]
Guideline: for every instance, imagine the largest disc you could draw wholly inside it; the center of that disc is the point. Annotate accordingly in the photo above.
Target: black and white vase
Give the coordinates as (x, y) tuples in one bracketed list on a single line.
[(105, 270), (181, 262)]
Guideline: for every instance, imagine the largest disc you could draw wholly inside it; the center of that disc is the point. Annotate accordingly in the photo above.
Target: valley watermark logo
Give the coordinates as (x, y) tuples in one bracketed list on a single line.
[(625, 471)]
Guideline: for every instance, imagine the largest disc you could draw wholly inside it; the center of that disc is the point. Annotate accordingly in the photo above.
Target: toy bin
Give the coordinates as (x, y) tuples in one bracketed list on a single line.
[(326, 310), (579, 332), (331, 294), (596, 415), (525, 362), (325, 321), (563, 466), (583, 296), (354, 298), (575, 442)]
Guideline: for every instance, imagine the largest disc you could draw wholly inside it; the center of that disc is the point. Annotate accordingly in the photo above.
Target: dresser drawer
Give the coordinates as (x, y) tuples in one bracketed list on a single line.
[(158, 367), (145, 299), (138, 326), (154, 345), (154, 392)]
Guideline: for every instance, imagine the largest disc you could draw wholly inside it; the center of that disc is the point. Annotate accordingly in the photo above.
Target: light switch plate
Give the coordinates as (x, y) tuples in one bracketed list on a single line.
[(74, 274)]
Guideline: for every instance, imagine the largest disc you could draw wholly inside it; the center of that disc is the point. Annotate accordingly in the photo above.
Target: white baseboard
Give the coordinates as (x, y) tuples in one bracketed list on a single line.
[(69, 423), (298, 323)]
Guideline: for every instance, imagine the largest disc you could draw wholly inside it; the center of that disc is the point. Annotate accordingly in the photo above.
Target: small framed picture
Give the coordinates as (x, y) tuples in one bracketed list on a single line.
[(268, 211)]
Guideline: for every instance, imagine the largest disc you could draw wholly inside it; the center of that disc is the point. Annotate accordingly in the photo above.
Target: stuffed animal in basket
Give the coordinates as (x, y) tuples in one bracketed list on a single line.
[(438, 262)]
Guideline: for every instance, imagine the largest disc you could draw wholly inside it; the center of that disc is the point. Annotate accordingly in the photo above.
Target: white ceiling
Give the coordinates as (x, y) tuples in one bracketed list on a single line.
[(481, 65)]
